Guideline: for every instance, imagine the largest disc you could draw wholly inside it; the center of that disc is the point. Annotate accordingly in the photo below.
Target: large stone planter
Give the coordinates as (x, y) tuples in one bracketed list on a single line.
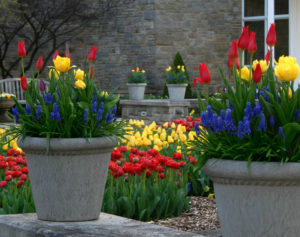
[(176, 91), (136, 90), (262, 202), (68, 183), (5, 105)]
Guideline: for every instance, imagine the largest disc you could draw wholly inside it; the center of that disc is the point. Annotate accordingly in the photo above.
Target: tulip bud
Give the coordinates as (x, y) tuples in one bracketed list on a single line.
[(252, 47), (244, 39), (233, 51), (92, 54), (24, 84), (267, 57), (271, 36), (42, 85), (39, 64), (257, 74), (21, 49)]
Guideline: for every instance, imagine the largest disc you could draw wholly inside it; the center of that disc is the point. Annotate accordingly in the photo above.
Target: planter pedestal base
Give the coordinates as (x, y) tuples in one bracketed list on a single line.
[(27, 225)]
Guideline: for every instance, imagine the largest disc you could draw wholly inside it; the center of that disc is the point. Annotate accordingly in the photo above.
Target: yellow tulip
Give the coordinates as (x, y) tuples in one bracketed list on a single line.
[(211, 195), (156, 136), (166, 125), (8, 96), (5, 147), (263, 65), (173, 125), (79, 74), (287, 69), (143, 71), (158, 148), (206, 189), (62, 64), (170, 139), (168, 69), (163, 136), (80, 84), (54, 73), (192, 112), (245, 73), (178, 67), (132, 70), (165, 144)]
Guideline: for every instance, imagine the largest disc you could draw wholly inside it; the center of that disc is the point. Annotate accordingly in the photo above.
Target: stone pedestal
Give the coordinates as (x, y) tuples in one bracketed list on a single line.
[(27, 225), (154, 110)]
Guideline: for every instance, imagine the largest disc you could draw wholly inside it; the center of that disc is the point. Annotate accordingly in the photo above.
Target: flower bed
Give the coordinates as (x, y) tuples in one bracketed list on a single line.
[(150, 173)]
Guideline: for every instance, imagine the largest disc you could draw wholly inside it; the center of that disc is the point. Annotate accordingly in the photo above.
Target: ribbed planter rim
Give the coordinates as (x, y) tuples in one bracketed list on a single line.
[(267, 171), (177, 85), (39, 144), (136, 84)]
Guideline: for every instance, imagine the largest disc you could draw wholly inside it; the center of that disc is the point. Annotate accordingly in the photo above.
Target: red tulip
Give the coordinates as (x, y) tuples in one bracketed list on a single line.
[(233, 51), (24, 84), (271, 36), (3, 184), (267, 57), (55, 54), (257, 74), (244, 39), (252, 47), (42, 85), (39, 64), (92, 54), (21, 49), (204, 73), (23, 177)]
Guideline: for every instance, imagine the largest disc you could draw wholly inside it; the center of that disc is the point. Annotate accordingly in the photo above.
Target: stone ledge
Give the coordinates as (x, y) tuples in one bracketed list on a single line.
[(27, 225)]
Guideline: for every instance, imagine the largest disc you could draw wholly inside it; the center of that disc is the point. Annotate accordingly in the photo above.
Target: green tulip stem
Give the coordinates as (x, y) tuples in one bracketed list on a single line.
[(22, 65), (251, 61)]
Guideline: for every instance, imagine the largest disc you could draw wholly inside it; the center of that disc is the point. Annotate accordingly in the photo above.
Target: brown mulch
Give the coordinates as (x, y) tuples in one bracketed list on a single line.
[(202, 216)]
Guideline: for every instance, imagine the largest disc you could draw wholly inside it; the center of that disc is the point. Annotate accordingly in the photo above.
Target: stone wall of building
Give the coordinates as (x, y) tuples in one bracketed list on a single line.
[(148, 33)]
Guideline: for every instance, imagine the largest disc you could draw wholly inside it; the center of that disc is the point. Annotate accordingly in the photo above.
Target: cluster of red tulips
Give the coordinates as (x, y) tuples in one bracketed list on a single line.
[(146, 163), (13, 168), (189, 122)]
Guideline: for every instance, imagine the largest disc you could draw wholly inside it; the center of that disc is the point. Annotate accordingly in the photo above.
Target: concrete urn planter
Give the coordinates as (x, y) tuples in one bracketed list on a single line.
[(5, 105), (136, 90), (262, 202), (68, 183), (176, 91)]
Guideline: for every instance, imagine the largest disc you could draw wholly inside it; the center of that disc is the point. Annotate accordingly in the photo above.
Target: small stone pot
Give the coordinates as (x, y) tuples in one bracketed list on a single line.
[(68, 183), (136, 90), (5, 105), (176, 91), (262, 201)]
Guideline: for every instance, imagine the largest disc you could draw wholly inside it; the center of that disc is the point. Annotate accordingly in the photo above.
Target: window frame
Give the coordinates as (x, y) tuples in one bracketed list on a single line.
[(268, 18)]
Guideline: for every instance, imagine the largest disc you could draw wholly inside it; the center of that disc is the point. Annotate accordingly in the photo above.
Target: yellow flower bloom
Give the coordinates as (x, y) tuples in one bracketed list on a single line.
[(8, 96), (105, 94), (132, 70), (62, 64), (173, 125), (5, 147), (80, 84), (170, 140), (245, 73), (163, 136), (158, 148), (168, 69), (55, 74), (178, 66), (192, 112), (166, 125), (211, 195), (79, 74), (143, 71), (263, 65), (206, 189), (287, 69)]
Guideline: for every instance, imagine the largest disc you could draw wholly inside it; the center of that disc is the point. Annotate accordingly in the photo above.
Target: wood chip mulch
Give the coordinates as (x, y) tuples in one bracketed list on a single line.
[(201, 216)]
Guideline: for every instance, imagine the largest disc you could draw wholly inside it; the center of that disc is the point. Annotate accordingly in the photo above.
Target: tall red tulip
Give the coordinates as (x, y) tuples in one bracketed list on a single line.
[(257, 74), (267, 57), (252, 47), (24, 84), (271, 36), (39, 64), (55, 54), (92, 54), (244, 39), (204, 73), (21, 49), (233, 51)]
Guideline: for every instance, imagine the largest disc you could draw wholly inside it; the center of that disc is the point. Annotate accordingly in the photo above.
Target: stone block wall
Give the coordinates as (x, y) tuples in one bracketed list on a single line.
[(148, 33)]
